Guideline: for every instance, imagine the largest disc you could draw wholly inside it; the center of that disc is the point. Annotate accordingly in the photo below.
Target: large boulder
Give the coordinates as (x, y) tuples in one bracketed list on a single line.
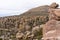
[(54, 5)]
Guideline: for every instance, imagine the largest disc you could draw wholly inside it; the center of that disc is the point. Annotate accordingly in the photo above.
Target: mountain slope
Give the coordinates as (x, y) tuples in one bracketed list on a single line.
[(24, 26)]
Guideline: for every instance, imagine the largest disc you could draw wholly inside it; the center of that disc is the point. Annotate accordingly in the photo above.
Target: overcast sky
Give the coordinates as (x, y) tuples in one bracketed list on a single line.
[(16, 7)]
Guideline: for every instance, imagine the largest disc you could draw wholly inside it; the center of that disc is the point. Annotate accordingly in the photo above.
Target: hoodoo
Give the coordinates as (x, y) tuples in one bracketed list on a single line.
[(51, 30)]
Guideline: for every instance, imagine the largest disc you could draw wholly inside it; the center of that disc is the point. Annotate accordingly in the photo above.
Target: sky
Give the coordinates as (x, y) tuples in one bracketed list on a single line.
[(16, 7)]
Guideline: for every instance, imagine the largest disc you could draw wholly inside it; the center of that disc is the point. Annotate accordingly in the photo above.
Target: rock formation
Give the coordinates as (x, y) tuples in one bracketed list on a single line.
[(25, 26), (52, 27), (54, 5)]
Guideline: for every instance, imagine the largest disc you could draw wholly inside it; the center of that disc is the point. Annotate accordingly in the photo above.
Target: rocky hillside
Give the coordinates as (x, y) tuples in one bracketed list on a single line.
[(25, 26)]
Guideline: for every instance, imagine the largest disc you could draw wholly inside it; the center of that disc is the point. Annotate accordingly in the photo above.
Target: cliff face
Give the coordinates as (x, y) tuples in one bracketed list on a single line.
[(51, 29), (25, 26)]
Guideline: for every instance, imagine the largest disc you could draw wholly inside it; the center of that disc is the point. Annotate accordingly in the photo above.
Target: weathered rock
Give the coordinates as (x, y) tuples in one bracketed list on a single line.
[(54, 14), (35, 29), (54, 5), (29, 35), (19, 35), (33, 17), (52, 27)]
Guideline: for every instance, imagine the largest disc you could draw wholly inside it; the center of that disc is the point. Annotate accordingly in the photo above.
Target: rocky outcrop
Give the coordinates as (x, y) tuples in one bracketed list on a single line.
[(54, 5), (25, 26), (52, 27)]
